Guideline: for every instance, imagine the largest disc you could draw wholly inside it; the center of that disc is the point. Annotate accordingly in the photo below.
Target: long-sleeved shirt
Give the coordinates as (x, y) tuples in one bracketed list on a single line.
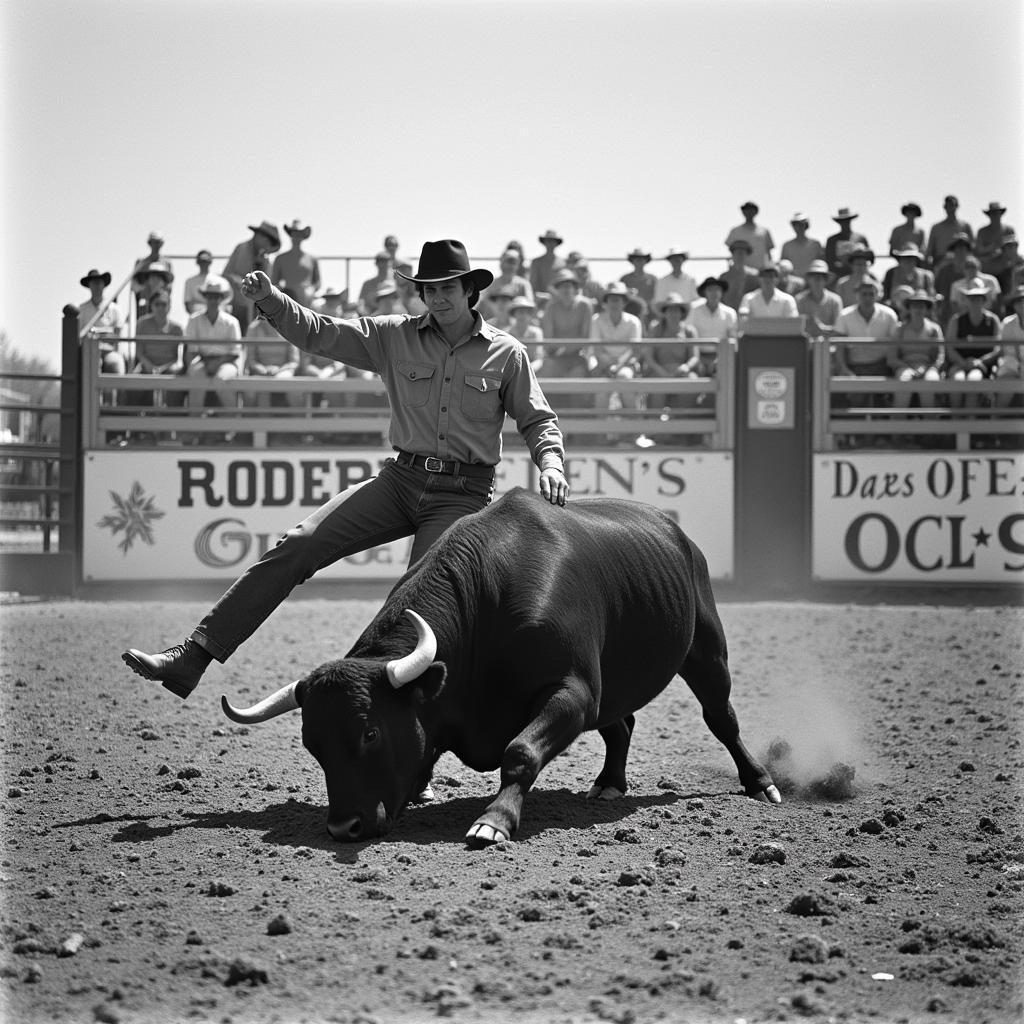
[(445, 401)]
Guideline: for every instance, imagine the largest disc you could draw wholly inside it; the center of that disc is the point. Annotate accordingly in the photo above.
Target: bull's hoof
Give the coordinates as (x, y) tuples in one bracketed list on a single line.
[(768, 795), (482, 834), (604, 793)]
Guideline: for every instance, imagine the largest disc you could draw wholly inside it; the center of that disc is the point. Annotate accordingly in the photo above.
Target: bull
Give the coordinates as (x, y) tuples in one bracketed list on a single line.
[(521, 628)]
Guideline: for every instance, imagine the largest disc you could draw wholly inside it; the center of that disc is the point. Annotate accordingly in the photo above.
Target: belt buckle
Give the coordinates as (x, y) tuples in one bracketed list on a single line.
[(438, 464)]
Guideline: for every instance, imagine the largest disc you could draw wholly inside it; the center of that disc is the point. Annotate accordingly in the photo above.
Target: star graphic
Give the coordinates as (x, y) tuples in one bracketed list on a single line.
[(133, 516), (981, 537)]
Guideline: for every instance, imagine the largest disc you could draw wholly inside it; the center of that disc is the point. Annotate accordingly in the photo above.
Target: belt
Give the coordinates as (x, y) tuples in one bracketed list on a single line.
[(433, 464)]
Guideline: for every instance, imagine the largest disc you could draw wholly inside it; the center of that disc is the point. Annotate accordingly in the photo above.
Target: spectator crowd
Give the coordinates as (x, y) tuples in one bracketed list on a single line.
[(950, 305)]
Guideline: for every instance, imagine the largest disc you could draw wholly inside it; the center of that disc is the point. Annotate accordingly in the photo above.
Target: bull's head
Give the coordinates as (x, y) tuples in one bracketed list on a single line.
[(360, 720)]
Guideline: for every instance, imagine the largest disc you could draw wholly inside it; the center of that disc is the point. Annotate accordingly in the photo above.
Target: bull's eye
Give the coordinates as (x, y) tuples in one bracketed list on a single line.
[(371, 736)]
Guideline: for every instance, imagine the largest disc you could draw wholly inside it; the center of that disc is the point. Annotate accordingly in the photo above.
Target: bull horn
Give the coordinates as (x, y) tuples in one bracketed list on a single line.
[(277, 703), (412, 666)]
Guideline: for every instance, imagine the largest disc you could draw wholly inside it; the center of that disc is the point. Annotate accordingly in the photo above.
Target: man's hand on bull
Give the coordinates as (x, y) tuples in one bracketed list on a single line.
[(554, 486), (256, 285)]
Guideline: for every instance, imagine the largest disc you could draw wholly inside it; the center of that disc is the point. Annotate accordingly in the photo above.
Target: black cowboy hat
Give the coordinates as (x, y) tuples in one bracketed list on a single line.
[(708, 281), (444, 261), (96, 275)]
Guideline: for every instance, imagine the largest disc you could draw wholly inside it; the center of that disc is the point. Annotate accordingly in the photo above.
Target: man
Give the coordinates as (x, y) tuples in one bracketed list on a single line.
[(860, 260), (154, 277), (907, 233), (368, 292), (397, 263), (843, 242), (155, 241), (768, 300), (620, 360), (1011, 357), (677, 282), (214, 340), (709, 316), (867, 319), (801, 250), (944, 231), (253, 254), (297, 271), (509, 280), (107, 325), (192, 296), (1008, 269), (990, 237), (820, 306), (968, 355), (952, 269), (789, 282), (589, 288), (638, 279), (908, 272), (739, 278), (758, 238), (544, 267), (450, 379)]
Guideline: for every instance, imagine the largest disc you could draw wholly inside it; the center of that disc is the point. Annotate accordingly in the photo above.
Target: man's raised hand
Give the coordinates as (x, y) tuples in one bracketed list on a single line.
[(256, 285)]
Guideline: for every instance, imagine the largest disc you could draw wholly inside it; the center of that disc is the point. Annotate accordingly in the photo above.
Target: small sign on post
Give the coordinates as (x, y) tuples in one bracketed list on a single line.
[(770, 398)]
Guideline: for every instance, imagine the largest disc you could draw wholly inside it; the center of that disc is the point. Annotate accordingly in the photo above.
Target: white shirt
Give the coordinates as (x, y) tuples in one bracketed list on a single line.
[(755, 304), (719, 324), (628, 329), (883, 324), (224, 329), (684, 285)]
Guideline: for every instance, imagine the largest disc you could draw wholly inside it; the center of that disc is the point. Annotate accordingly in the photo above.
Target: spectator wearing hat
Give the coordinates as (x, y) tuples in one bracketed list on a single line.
[(270, 356), (397, 263), (789, 282), (839, 246), (155, 241), (678, 357), (108, 324), (909, 271), (801, 250), (920, 351), (908, 233), (499, 305), (451, 380), (620, 360), (820, 306), (508, 279), (739, 279), (950, 270), (368, 291), (943, 232), (859, 260), (638, 280), (968, 355), (297, 270), (545, 266), (1008, 269), (252, 254), (154, 277), (192, 294), (523, 329), (972, 275), (566, 318), (214, 339), (1011, 355), (332, 303), (589, 287), (758, 238), (990, 237), (709, 316), (768, 300), (677, 281), (516, 246), (158, 349)]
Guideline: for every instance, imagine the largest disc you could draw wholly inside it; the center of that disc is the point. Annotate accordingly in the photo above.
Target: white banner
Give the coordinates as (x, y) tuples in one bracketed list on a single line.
[(954, 517), (206, 514)]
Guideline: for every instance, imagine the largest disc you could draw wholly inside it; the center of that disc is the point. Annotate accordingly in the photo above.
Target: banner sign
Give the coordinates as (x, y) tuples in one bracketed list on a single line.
[(206, 513), (955, 517)]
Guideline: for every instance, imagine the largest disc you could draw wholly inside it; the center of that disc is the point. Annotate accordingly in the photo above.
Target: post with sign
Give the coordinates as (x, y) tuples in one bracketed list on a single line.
[(773, 444)]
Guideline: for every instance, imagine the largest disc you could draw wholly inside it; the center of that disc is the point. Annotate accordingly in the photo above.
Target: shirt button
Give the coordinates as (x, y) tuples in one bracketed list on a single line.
[(444, 408), (440, 437), (447, 380)]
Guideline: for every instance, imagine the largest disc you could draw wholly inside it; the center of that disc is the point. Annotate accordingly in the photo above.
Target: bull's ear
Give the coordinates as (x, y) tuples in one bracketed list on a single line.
[(300, 691), (431, 682)]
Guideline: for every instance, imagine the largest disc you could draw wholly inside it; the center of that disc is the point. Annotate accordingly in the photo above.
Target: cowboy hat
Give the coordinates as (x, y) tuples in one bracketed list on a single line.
[(994, 208), (740, 243), (860, 252), (204, 254), (297, 229), (920, 296), (157, 267), (749, 205), (910, 210), (817, 267), (446, 260), (677, 254), (638, 254), (960, 239), (909, 249), (615, 288), (672, 299), (844, 213), (799, 218), (549, 236), (95, 275), (563, 276), (270, 230), (520, 302), (384, 289), (709, 281), (976, 289), (215, 285)]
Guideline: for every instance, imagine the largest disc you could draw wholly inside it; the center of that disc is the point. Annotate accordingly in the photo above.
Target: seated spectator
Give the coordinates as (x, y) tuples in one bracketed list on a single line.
[(545, 266), (572, 259), (919, 354), (297, 271), (107, 326), (681, 358), (908, 271), (368, 292), (839, 246), (966, 357), (1011, 356), (951, 269), (158, 349), (860, 260), (638, 279), (522, 328), (331, 302), (768, 300), (397, 263), (153, 278), (801, 250), (758, 238), (971, 277), (516, 246), (506, 280), (214, 339), (155, 241), (739, 279), (408, 295), (710, 317), (867, 319), (589, 288), (908, 233), (990, 237), (1008, 269), (193, 298), (271, 356), (620, 361), (789, 282), (677, 281), (820, 306), (500, 303), (943, 232), (567, 316), (252, 254), (387, 301)]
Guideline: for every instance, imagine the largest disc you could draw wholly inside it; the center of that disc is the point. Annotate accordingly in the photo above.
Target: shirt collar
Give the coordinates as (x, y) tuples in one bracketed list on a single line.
[(480, 326)]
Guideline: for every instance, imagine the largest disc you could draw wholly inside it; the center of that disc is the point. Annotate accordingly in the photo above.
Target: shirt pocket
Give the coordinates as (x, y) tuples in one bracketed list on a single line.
[(413, 383), (481, 397)]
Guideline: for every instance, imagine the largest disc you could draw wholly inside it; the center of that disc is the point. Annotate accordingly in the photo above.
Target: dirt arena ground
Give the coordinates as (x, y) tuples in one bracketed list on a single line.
[(161, 864)]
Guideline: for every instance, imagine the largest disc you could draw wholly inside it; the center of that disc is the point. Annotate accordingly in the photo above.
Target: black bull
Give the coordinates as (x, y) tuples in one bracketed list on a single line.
[(541, 623)]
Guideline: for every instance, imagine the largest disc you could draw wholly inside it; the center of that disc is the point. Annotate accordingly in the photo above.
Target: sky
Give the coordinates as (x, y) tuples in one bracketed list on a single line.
[(618, 124)]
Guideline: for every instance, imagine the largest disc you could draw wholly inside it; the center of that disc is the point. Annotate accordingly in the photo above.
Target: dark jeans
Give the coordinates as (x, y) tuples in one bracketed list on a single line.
[(401, 501)]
